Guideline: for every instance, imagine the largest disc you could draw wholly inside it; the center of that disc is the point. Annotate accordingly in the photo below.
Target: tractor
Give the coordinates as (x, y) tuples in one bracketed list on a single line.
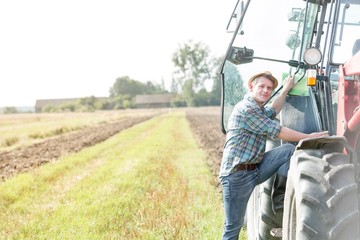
[(317, 41)]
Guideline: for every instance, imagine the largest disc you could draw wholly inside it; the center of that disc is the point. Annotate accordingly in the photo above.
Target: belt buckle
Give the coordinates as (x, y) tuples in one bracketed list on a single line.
[(235, 169), (239, 167)]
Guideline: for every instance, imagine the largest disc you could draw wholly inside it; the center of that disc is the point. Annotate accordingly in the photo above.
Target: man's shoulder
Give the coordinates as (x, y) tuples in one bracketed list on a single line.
[(242, 108), (246, 105)]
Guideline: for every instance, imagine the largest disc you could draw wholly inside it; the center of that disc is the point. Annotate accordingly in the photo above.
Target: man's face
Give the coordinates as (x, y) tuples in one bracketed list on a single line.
[(261, 89)]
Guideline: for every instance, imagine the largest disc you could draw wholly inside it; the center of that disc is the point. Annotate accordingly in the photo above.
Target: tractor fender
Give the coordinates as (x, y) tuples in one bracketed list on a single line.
[(317, 143), (329, 144)]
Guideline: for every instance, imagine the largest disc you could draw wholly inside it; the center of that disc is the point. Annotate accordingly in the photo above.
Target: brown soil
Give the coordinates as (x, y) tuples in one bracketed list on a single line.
[(25, 158), (204, 122)]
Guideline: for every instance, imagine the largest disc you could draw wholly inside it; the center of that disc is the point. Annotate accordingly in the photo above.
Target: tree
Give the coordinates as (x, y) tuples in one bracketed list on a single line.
[(10, 110), (234, 88), (174, 88), (126, 86), (151, 88), (216, 87), (193, 66), (124, 90)]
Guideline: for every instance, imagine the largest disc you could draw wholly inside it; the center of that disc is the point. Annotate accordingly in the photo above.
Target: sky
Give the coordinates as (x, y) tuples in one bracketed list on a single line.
[(78, 48)]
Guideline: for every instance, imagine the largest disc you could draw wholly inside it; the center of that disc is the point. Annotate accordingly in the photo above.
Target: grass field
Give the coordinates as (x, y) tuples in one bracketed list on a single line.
[(150, 181)]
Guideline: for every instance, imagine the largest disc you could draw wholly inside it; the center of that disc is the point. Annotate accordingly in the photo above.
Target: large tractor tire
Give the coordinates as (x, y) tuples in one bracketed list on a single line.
[(259, 214), (321, 200)]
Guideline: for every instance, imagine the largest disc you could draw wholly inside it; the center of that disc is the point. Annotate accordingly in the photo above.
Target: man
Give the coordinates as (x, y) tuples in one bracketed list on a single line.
[(245, 163)]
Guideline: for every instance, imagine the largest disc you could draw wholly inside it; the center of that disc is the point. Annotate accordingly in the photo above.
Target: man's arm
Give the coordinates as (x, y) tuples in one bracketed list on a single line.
[(290, 135), (278, 103)]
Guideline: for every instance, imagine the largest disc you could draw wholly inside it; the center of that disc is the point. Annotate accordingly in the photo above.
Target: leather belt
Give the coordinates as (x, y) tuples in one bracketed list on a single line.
[(244, 167)]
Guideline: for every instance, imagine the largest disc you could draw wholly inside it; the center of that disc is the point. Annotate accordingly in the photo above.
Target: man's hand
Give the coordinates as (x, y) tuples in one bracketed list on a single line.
[(288, 83), (319, 134)]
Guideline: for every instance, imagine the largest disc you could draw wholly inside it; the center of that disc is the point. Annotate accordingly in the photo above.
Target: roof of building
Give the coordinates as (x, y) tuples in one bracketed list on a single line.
[(154, 98)]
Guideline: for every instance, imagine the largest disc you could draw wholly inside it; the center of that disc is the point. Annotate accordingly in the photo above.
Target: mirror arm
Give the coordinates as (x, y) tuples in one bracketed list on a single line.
[(233, 38), (292, 63), (232, 15)]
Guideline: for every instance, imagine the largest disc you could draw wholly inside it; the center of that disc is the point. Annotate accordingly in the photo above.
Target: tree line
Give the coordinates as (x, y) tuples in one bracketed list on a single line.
[(195, 82)]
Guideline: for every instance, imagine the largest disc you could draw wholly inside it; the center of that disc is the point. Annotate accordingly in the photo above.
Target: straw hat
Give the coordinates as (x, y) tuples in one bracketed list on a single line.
[(266, 74)]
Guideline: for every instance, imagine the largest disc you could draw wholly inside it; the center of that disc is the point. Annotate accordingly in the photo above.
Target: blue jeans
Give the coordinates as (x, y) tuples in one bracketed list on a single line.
[(238, 187)]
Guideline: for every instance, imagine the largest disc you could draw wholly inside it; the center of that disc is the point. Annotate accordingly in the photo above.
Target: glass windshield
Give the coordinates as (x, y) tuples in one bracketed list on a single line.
[(347, 40), (274, 35)]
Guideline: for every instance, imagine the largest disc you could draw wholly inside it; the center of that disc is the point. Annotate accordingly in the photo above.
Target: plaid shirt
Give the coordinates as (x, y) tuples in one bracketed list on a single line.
[(248, 127)]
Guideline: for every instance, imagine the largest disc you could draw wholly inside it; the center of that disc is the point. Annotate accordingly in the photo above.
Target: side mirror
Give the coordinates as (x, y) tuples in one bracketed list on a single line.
[(240, 55), (295, 15), (293, 40)]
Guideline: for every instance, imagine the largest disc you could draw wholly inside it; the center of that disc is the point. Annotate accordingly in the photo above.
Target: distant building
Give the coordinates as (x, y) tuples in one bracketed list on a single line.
[(154, 100), (41, 103)]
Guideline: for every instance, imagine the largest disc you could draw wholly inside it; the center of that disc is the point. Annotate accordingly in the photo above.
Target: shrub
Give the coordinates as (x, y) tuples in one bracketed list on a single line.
[(10, 141)]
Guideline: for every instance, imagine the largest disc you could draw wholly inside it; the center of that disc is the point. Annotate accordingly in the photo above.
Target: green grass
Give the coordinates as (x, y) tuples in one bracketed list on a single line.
[(148, 182)]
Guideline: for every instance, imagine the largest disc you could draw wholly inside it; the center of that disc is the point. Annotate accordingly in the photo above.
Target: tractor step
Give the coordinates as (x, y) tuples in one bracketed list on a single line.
[(276, 232)]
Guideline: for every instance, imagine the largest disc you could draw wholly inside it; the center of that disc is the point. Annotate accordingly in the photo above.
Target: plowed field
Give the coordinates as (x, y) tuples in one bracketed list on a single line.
[(204, 122)]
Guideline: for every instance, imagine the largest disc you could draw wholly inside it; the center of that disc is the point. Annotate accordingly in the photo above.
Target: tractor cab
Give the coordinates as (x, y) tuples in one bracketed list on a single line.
[(310, 39)]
